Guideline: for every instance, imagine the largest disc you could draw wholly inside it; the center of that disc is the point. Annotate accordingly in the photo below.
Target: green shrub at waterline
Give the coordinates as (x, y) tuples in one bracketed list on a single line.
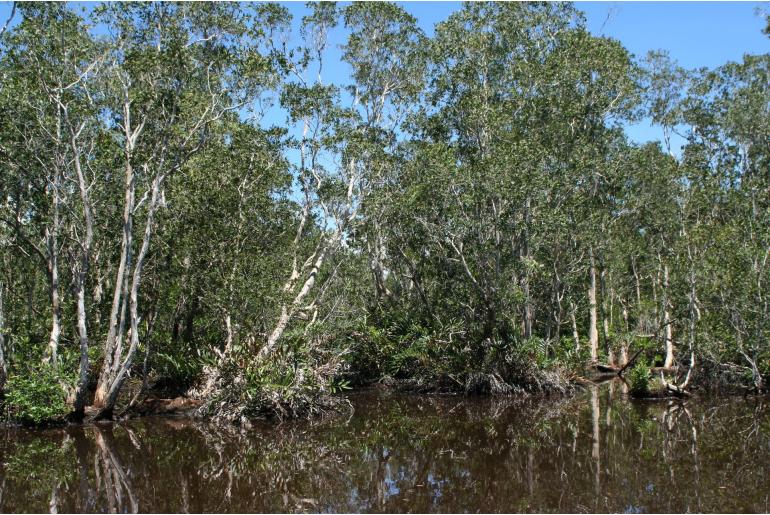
[(639, 379), (36, 396)]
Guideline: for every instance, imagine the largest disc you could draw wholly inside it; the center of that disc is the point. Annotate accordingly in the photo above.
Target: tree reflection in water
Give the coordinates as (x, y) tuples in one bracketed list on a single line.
[(396, 453)]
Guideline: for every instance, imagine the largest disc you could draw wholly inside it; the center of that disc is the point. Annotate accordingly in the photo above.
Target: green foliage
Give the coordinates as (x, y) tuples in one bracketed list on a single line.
[(568, 355), (181, 369), (338, 385), (37, 395), (438, 216), (639, 379)]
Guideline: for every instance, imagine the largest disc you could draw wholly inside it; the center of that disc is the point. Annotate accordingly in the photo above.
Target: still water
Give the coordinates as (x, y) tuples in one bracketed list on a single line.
[(597, 452)]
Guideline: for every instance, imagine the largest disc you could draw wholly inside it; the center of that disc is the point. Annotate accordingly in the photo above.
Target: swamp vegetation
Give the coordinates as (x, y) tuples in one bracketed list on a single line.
[(190, 206)]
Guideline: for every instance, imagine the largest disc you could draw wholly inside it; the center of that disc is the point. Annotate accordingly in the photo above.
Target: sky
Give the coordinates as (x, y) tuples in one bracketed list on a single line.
[(696, 34)]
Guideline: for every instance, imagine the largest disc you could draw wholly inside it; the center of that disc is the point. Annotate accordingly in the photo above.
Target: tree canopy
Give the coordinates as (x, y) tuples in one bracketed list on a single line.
[(463, 211)]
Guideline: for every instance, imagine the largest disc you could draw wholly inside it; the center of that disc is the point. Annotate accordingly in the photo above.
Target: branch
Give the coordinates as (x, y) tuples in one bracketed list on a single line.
[(8, 21)]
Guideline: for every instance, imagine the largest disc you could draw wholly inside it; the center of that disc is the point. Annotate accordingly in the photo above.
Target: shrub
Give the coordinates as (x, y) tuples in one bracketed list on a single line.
[(36, 396), (639, 379), (179, 368)]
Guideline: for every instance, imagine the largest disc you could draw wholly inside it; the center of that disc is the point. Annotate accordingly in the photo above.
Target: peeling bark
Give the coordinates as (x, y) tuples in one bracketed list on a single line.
[(81, 275), (668, 330), (593, 332)]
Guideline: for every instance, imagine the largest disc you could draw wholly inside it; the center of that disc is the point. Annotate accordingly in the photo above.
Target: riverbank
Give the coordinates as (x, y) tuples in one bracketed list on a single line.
[(560, 387)]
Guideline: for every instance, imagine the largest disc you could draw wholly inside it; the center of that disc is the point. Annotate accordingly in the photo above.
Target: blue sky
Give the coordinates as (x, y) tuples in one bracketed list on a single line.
[(696, 34)]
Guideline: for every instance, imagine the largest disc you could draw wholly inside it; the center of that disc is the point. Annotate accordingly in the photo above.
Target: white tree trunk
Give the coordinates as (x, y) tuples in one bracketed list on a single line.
[(529, 312), (668, 331), (288, 311), (113, 344), (606, 314), (3, 365), (624, 342), (122, 369), (51, 355), (575, 334), (115, 331), (593, 331), (80, 286)]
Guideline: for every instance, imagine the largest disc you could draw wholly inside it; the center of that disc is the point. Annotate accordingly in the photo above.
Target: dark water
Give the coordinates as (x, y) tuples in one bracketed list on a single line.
[(398, 453)]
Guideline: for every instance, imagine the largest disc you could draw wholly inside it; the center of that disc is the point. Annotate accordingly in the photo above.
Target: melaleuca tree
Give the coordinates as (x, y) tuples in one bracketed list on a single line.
[(55, 130), (176, 72)]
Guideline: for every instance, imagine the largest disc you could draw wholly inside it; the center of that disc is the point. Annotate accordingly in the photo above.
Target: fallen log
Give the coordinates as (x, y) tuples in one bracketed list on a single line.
[(676, 390), (606, 369), (629, 362), (665, 370), (614, 370)]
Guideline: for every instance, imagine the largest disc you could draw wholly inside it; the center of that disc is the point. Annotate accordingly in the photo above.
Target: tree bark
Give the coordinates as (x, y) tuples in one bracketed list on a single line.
[(593, 332), (3, 365), (668, 330), (51, 355), (624, 342), (113, 344), (575, 334), (288, 311), (80, 287), (121, 371), (115, 332), (376, 260), (529, 312), (605, 317)]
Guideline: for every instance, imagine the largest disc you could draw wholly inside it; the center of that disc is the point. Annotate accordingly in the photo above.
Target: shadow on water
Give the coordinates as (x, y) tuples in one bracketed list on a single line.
[(597, 452)]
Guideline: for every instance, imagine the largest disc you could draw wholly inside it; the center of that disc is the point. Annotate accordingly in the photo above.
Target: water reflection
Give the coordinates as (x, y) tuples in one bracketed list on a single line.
[(397, 453)]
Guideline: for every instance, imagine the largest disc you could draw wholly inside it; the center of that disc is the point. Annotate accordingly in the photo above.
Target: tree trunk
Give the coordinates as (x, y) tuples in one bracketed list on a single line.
[(593, 332), (288, 311), (624, 342), (668, 331), (575, 334), (529, 312), (81, 277), (376, 259), (605, 318), (558, 290), (115, 332), (51, 355), (229, 340), (79, 403), (3, 365), (120, 372), (637, 284)]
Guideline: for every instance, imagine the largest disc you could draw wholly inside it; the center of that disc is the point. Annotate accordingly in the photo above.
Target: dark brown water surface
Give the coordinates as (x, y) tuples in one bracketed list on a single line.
[(597, 452)]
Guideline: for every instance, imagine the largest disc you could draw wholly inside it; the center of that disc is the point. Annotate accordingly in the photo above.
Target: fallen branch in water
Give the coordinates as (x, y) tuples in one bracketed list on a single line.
[(629, 362), (611, 369), (680, 390)]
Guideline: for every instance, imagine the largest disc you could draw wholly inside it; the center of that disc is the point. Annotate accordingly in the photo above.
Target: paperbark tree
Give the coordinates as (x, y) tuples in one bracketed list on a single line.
[(593, 328), (164, 113)]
